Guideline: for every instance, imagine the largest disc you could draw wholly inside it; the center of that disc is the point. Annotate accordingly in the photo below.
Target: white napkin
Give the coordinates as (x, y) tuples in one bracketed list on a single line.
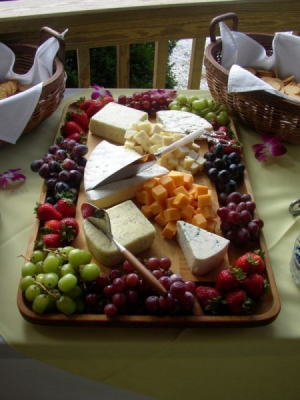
[(15, 111), (239, 50)]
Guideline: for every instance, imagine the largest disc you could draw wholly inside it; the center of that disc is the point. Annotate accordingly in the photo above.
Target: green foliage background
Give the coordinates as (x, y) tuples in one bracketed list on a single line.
[(104, 65)]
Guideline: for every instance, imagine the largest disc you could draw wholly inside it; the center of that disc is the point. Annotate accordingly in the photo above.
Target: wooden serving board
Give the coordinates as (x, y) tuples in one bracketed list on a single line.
[(266, 310)]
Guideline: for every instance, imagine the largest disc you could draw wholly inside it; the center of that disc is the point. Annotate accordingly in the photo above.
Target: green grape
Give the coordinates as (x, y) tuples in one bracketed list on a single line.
[(50, 280), (90, 272), (40, 278), (79, 306), (26, 282), (203, 112), (40, 303), (200, 104), (39, 267), (53, 295), (210, 103), (67, 282), (66, 305), (181, 99), (31, 292), (186, 109), (79, 257), (191, 99), (66, 250), (67, 269), (75, 293), (51, 263), (222, 118), (36, 256), (211, 116), (28, 268)]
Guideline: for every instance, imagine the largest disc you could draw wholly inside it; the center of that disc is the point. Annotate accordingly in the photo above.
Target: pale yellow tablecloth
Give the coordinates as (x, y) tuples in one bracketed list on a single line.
[(260, 363)]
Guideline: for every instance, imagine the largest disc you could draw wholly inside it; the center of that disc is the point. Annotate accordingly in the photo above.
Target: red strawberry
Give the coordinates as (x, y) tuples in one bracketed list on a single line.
[(94, 108), (229, 278), (255, 285), (52, 226), (251, 262), (47, 211), (52, 240), (66, 207), (69, 128), (80, 117), (84, 103), (107, 99), (69, 229), (209, 298), (87, 210), (237, 302), (75, 136)]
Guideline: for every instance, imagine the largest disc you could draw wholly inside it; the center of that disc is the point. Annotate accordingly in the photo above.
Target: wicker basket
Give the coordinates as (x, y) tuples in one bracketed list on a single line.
[(53, 89), (265, 112)]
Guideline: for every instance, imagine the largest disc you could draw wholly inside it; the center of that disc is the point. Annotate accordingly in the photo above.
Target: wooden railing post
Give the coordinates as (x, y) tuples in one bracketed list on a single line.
[(196, 63), (160, 64), (83, 66), (123, 66)]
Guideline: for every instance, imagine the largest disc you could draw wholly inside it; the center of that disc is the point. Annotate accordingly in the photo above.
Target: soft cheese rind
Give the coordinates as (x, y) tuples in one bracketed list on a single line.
[(129, 227), (114, 120), (182, 121), (126, 189), (202, 250)]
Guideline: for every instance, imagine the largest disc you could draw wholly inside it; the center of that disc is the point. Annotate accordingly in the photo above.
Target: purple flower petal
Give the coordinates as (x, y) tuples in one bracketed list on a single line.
[(12, 175), (272, 146)]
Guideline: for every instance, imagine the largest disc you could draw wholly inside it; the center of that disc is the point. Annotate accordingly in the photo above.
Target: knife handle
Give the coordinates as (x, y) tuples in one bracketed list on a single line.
[(145, 273)]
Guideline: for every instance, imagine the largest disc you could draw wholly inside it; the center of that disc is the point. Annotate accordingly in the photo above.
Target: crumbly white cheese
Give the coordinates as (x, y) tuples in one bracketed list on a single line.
[(106, 159), (116, 192), (202, 250), (182, 121), (114, 120), (129, 227)]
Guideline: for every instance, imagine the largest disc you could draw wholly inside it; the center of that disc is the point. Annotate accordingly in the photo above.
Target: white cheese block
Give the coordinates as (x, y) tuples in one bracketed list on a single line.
[(114, 120), (202, 250), (129, 227), (182, 121), (106, 159), (115, 193)]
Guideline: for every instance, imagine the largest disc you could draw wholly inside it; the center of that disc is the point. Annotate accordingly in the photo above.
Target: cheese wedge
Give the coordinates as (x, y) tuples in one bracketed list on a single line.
[(114, 120), (129, 227), (182, 121), (202, 250)]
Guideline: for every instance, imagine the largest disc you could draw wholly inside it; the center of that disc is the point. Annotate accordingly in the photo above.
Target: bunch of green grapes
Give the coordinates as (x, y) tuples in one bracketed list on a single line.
[(209, 109), (52, 280)]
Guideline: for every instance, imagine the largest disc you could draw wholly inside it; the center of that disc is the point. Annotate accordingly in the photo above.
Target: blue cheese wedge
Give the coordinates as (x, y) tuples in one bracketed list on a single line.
[(175, 120), (113, 120), (106, 159), (202, 250), (129, 227), (114, 193)]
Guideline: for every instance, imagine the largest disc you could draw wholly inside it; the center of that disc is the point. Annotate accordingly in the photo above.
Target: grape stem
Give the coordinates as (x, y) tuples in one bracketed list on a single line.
[(54, 295)]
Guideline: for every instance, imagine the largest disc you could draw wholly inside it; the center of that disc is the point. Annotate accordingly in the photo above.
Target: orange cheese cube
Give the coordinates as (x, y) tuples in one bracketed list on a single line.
[(209, 212), (181, 201), (144, 197), (169, 230), (211, 225), (204, 200), (156, 207), (172, 214), (200, 221), (177, 177), (188, 181), (159, 193), (159, 218), (188, 212), (182, 189), (167, 182), (199, 190), (150, 183), (169, 202), (146, 210)]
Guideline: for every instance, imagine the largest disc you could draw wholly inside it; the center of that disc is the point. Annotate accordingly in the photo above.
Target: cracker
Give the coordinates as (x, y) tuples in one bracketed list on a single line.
[(263, 73), (274, 82), (288, 79), (292, 89)]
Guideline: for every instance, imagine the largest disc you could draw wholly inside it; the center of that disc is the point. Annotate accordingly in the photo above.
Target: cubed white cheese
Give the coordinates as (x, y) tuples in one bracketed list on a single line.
[(202, 250), (114, 120), (129, 227)]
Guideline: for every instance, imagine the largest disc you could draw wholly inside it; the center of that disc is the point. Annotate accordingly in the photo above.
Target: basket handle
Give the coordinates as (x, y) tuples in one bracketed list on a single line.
[(45, 32), (222, 18)]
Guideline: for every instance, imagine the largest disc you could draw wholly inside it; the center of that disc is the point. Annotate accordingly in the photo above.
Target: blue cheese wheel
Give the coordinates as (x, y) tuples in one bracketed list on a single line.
[(129, 227), (202, 250), (174, 120), (113, 120)]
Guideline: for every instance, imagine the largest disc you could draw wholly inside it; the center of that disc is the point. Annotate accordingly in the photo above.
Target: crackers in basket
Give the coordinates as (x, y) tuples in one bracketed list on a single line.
[(10, 88), (287, 85)]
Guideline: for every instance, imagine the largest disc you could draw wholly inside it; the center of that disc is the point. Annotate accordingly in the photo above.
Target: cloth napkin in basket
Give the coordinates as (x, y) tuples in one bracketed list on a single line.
[(15, 111), (239, 50)]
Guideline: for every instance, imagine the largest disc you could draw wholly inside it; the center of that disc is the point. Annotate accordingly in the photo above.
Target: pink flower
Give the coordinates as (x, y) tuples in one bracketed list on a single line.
[(99, 92), (8, 178), (272, 146)]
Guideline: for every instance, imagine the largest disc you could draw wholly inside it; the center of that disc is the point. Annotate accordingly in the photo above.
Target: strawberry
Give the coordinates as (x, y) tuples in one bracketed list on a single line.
[(80, 117), (255, 285), (251, 262), (69, 128), (52, 226), (229, 278), (87, 210), (94, 108), (66, 207), (209, 298), (237, 302), (47, 211), (52, 240), (75, 136), (69, 229), (84, 103), (107, 99)]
